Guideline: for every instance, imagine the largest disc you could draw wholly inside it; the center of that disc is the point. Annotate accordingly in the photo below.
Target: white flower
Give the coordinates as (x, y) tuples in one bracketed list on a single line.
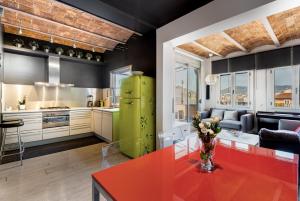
[(201, 125), (208, 124), (210, 131), (216, 119)]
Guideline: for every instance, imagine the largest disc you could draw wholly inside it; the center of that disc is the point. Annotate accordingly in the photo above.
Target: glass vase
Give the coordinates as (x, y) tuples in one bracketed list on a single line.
[(207, 147)]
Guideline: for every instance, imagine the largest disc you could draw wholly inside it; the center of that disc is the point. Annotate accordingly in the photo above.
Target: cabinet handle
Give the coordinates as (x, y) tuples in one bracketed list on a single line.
[(129, 103), (128, 92)]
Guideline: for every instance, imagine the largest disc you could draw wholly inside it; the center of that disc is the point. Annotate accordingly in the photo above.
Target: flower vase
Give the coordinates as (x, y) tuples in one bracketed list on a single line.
[(206, 154)]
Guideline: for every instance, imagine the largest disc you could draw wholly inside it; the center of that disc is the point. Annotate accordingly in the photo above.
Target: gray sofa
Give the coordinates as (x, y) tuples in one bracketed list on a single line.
[(231, 119)]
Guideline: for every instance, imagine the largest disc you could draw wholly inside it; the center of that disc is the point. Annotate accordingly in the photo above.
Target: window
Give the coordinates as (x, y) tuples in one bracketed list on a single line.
[(241, 95), (186, 92), (234, 89), (283, 87), (116, 77), (225, 89)]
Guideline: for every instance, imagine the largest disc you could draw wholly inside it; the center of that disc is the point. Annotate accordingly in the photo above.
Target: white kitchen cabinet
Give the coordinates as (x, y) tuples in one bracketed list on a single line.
[(56, 132), (107, 125), (30, 131), (97, 121), (80, 121)]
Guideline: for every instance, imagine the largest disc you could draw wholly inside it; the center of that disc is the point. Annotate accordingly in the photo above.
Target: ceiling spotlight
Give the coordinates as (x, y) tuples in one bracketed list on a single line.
[(210, 55), (74, 46), (20, 32), (51, 39), (93, 49)]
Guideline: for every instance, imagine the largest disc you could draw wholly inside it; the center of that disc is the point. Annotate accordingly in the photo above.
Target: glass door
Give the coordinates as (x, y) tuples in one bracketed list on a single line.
[(186, 92)]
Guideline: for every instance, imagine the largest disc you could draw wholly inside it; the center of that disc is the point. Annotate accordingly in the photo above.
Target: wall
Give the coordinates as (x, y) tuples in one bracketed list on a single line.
[(26, 70), (139, 52), (47, 96)]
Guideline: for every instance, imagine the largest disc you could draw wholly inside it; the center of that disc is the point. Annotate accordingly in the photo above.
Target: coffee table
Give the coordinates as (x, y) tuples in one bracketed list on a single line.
[(245, 138)]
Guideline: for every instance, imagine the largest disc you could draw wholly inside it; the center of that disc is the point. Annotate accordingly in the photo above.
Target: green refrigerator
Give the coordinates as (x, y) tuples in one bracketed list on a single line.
[(137, 116)]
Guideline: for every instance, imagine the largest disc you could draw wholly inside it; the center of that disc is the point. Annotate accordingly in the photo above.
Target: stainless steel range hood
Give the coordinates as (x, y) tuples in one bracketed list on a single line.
[(54, 74)]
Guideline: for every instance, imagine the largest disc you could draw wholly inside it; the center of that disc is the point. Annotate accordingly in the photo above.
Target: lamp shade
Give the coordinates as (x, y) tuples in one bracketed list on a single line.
[(211, 79)]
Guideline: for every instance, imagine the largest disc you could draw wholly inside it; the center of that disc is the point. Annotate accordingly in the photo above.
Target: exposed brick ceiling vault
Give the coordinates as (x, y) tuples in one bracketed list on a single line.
[(42, 19), (285, 26)]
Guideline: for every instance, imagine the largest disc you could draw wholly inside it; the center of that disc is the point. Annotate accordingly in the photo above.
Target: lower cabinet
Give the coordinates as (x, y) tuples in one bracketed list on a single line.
[(106, 124), (107, 128), (97, 121), (56, 132), (80, 121), (31, 131)]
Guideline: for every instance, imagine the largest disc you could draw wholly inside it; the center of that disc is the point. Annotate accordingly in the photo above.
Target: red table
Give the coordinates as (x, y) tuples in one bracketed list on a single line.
[(243, 173)]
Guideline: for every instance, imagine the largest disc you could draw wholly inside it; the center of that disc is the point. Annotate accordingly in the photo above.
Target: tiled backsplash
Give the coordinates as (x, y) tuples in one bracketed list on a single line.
[(47, 96)]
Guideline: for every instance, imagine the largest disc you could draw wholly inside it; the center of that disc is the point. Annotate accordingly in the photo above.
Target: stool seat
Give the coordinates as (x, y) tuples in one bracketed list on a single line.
[(11, 124), (7, 120)]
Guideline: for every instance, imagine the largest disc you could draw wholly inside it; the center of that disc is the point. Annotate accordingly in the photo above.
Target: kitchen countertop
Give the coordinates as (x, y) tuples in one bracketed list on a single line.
[(72, 108)]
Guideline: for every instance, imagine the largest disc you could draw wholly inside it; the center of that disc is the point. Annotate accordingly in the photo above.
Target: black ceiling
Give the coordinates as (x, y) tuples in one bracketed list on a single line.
[(139, 15)]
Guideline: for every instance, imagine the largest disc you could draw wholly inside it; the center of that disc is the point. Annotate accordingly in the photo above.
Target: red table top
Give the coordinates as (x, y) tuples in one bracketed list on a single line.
[(245, 174)]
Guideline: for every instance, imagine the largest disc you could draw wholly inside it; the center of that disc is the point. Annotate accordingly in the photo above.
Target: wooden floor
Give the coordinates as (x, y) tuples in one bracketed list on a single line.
[(63, 176)]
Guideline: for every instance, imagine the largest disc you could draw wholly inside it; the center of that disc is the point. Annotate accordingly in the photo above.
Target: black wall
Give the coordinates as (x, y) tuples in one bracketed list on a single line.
[(81, 74), (140, 52), (23, 69), (262, 60)]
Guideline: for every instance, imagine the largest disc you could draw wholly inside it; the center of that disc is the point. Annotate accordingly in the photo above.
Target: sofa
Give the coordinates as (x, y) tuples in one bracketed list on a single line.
[(284, 139), (231, 119)]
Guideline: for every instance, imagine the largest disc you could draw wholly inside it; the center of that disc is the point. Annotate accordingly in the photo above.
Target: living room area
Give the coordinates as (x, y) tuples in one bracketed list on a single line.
[(244, 70)]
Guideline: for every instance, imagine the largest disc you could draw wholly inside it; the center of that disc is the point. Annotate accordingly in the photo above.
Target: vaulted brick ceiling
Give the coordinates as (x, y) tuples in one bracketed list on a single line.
[(41, 19), (284, 26)]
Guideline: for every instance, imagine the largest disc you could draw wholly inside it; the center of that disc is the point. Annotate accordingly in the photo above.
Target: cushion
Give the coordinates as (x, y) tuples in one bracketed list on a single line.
[(240, 113), (231, 115), (297, 130), (217, 113), (231, 124), (206, 120)]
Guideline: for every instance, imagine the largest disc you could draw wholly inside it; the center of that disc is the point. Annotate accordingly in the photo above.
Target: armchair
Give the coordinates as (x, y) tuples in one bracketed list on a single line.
[(285, 138)]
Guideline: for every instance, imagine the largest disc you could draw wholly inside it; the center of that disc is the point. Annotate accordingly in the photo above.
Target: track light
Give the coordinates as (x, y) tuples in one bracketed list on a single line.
[(20, 32), (93, 49), (74, 46), (51, 39)]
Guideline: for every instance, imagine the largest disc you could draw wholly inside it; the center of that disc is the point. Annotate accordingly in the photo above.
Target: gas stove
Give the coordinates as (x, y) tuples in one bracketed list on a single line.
[(54, 108)]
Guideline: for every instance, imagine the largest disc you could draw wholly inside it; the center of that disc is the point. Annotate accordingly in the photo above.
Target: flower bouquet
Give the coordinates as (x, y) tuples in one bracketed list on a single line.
[(207, 131)]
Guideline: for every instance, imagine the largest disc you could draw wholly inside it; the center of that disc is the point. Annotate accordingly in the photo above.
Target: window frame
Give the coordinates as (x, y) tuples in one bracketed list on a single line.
[(233, 104), (249, 74), (295, 90)]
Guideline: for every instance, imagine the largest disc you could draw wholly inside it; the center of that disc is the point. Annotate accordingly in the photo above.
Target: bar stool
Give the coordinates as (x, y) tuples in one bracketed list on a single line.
[(12, 123)]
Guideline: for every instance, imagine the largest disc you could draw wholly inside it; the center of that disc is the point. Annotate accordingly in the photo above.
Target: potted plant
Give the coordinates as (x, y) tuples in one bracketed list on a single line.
[(71, 52), (18, 42), (98, 58), (59, 50), (89, 56), (79, 54), (207, 131), (46, 48), (22, 103), (34, 45)]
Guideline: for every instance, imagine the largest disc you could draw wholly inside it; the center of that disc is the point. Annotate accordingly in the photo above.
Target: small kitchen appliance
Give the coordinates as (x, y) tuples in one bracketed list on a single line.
[(90, 101)]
